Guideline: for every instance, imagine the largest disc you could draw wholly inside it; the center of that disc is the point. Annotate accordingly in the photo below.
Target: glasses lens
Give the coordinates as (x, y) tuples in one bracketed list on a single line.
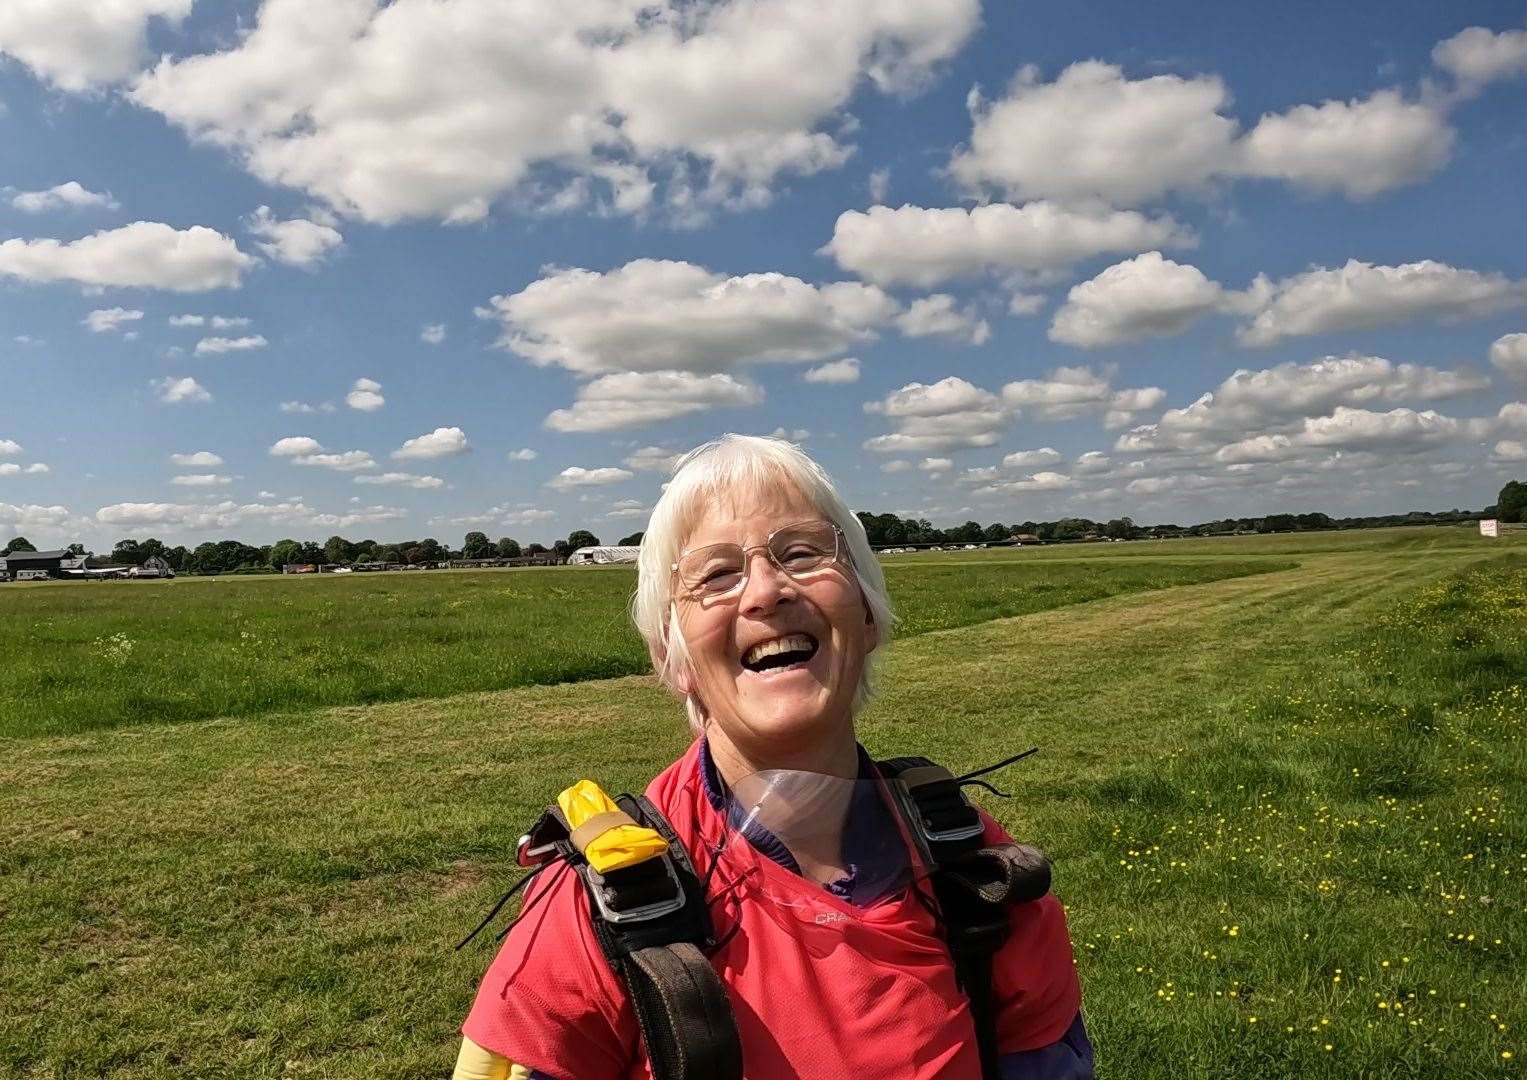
[(803, 548), (711, 570)]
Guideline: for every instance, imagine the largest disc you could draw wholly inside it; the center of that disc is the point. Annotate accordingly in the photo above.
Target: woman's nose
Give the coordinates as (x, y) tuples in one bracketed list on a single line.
[(766, 584)]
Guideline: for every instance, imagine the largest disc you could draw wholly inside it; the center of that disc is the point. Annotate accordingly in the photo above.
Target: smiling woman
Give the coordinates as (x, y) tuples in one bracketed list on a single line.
[(780, 905)]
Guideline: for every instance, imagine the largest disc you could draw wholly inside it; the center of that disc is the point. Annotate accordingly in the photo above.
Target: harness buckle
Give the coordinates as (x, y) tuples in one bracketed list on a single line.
[(529, 854), (642, 912)]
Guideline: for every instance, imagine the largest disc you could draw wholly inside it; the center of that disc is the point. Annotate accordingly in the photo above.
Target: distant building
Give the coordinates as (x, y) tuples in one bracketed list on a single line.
[(1025, 538), (611, 553), (38, 565)]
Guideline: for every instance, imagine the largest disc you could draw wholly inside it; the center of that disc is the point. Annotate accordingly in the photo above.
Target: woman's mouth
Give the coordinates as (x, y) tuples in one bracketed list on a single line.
[(780, 654)]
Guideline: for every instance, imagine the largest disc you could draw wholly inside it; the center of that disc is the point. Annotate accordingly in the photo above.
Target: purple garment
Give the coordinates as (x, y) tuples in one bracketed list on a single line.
[(1068, 1059)]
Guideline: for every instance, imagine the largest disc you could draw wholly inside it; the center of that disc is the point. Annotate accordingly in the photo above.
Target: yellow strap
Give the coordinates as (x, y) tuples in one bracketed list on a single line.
[(478, 1063), (614, 848)]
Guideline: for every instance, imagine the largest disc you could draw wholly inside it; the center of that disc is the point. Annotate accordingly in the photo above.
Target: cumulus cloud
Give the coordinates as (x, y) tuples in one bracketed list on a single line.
[(295, 446), (523, 514), (1511, 450), (945, 415), (433, 334), (304, 407), (31, 516), (365, 395), (1509, 353), (201, 459), (897, 466), (402, 479), (217, 322), (834, 372), (346, 461), (523, 454), (201, 479), (9, 448), (1147, 296), (1477, 56), (1032, 459), (145, 254), (106, 320), (229, 514), (935, 466), (653, 315), (71, 195), (939, 316), (1095, 134), (181, 391), (216, 346), (927, 247), (653, 459), (635, 398), (1070, 392), (575, 477), (1360, 296), (616, 105), (80, 44), (442, 442), (295, 241)]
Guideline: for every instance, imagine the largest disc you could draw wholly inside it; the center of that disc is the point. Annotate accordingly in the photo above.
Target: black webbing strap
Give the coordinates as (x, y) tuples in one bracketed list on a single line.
[(975, 886), (681, 1006)]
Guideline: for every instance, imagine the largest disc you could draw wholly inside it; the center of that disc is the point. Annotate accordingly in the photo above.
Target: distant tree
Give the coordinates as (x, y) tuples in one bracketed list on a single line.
[(21, 543), (430, 550), (1121, 529), (581, 538), (1070, 529), (1276, 523), (996, 531), (535, 549), (1511, 503), (968, 533), (76, 550), (125, 552), (310, 553), (633, 540), (336, 549), (562, 548), (508, 548), (389, 553), (477, 546), (283, 552)]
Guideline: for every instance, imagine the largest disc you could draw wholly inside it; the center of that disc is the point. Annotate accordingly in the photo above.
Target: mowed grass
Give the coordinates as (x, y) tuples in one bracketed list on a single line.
[(82, 655), (1285, 809)]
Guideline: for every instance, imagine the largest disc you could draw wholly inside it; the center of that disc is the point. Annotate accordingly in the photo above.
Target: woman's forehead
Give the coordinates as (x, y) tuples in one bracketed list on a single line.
[(725, 515)]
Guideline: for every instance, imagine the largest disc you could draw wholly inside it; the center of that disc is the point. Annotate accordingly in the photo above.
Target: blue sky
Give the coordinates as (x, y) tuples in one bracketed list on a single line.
[(392, 270)]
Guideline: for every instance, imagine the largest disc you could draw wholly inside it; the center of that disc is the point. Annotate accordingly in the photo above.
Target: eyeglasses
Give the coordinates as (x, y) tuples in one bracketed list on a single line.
[(718, 570)]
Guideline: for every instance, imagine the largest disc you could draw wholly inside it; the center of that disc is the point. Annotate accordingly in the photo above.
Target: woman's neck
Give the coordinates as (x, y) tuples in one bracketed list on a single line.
[(835, 755)]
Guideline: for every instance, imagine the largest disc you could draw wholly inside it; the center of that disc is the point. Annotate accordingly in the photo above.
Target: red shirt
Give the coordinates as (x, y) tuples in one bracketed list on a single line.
[(823, 989)]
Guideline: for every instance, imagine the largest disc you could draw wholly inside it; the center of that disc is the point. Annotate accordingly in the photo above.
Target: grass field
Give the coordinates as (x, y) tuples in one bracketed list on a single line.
[(85, 656), (1285, 808)]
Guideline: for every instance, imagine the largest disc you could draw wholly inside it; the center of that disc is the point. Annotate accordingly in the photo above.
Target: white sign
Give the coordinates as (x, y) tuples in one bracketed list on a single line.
[(1489, 527)]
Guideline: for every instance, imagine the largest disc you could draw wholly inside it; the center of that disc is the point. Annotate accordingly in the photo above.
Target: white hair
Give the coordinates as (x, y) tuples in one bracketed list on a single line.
[(736, 466)]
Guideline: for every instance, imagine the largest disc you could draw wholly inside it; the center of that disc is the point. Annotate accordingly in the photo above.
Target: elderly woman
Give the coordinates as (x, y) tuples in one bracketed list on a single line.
[(761, 604)]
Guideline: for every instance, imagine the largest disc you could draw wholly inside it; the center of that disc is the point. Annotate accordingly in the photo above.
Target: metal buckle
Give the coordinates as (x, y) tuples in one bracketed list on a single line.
[(528, 856), (962, 832), (646, 911)]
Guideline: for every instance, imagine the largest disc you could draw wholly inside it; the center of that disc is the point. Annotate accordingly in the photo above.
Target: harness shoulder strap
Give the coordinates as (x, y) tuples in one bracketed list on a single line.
[(975, 883), (652, 923)]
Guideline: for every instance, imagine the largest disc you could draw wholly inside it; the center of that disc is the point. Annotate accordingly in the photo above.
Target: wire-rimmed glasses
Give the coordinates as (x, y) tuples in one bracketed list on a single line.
[(715, 571)]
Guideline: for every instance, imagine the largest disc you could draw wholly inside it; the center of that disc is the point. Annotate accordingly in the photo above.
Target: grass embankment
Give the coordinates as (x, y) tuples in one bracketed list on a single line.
[(277, 896), (83, 656)]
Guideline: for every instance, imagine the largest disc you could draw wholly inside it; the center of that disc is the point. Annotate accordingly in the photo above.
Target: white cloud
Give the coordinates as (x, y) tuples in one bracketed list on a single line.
[(1037, 482), (505, 515), (1477, 56), (365, 395), (106, 320), (30, 516), (945, 415), (80, 44), (652, 315), (71, 195), (575, 477), (10, 468), (1361, 295), (295, 446), (617, 104), (937, 316), (1511, 450), (304, 407), (1147, 296), (442, 442), (635, 398), (926, 247), (201, 459), (1509, 353), (1070, 392), (9, 448), (347, 461), (182, 391), (1359, 148), (229, 514), (217, 322), (1093, 461), (433, 334), (1512, 415), (879, 184), (201, 479), (145, 254), (653, 459), (1030, 459), (187, 320), (402, 479), (935, 466), (1399, 430), (897, 466), (523, 454), (627, 508), (796, 435), (1094, 134), (36, 467), (296, 241), (834, 372), (216, 346)]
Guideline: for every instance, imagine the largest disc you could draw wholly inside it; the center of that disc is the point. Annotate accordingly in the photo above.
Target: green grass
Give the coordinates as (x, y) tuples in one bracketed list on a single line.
[(1327, 760), (83, 656)]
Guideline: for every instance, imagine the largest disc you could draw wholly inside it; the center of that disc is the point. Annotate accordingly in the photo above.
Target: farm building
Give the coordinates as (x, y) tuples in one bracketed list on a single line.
[(586, 556), (37, 565)]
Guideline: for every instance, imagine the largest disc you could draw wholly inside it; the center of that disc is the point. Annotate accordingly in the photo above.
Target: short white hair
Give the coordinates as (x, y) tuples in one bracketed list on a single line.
[(730, 467)]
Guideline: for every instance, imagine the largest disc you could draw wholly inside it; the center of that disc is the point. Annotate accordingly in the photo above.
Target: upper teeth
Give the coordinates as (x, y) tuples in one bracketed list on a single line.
[(788, 643)]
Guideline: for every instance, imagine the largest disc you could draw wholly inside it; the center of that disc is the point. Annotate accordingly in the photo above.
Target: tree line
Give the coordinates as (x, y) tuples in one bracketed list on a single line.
[(884, 530)]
